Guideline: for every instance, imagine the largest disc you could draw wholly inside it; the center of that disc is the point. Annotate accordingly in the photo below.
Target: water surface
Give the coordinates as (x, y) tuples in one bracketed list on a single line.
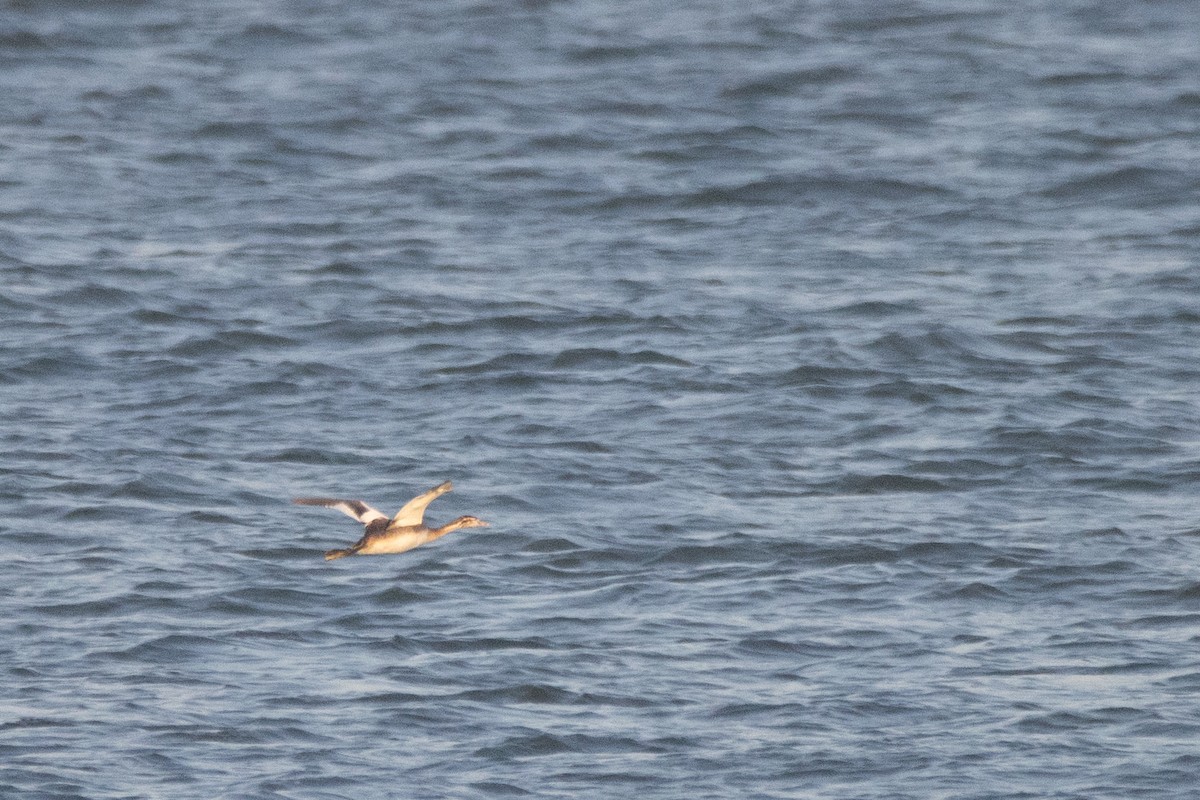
[(826, 371)]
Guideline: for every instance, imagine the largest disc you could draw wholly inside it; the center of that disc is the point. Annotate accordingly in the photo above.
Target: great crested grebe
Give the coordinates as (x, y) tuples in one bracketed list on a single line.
[(402, 532)]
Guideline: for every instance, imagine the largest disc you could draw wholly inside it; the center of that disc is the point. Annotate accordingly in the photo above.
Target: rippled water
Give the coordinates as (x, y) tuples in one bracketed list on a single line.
[(827, 372)]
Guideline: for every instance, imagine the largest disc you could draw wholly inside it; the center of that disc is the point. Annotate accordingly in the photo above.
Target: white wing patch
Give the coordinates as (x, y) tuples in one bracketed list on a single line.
[(413, 512), (351, 508)]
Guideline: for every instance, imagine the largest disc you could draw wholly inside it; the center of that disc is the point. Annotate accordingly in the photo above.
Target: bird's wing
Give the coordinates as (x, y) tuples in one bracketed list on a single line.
[(414, 510), (353, 508)]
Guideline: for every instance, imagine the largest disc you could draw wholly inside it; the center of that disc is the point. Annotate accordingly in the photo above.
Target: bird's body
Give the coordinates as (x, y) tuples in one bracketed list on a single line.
[(402, 532)]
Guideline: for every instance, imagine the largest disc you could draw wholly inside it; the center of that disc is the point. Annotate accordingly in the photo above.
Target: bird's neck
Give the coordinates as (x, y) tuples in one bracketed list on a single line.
[(447, 528)]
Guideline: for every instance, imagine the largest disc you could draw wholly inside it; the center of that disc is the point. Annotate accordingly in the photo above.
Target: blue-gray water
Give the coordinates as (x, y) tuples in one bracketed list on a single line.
[(828, 372)]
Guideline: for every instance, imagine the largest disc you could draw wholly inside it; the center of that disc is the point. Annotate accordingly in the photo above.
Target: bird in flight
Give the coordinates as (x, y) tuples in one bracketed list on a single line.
[(402, 532)]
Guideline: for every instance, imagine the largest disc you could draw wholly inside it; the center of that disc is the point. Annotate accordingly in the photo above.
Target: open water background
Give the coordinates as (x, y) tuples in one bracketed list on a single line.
[(827, 370)]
